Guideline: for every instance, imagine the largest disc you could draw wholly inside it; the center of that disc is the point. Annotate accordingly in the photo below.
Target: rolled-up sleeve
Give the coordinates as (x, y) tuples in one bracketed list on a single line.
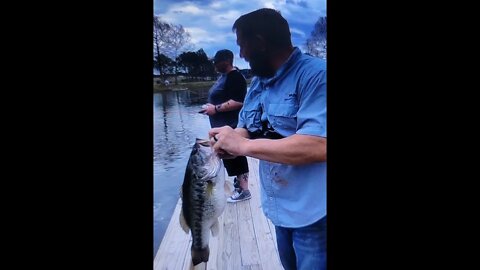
[(241, 119), (312, 112), (249, 116)]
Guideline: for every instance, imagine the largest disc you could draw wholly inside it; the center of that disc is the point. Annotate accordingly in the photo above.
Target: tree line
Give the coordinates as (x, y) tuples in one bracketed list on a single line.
[(171, 44)]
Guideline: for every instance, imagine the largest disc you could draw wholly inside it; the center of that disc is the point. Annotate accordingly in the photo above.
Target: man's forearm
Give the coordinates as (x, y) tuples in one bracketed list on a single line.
[(230, 105), (243, 132), (293, 150)]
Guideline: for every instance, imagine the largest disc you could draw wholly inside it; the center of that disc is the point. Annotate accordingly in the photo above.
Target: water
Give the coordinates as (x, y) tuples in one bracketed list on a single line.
[(176, 125)]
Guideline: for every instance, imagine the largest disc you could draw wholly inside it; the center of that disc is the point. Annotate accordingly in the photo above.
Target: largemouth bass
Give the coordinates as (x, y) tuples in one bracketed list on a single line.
[(203, 198)]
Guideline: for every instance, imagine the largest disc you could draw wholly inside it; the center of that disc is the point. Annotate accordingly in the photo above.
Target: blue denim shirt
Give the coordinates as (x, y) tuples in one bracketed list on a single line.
[(294, 102)]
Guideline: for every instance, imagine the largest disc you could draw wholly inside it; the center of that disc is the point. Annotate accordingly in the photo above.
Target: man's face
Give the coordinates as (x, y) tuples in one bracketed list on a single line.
[(244, 47), (258, 59), (221, 66)]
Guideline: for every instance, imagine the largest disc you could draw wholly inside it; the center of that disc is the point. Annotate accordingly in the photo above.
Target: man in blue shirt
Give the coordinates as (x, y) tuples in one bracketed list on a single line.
[(283, 124)]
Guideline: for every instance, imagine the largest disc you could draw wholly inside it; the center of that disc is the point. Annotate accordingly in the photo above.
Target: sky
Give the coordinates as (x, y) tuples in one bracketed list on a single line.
[(209, 22)]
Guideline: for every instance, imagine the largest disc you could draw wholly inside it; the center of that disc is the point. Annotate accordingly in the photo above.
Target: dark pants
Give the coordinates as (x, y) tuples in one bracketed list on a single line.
[(236, 166), (303, 248)]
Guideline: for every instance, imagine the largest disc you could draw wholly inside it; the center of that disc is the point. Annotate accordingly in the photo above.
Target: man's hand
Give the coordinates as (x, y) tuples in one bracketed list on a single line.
[(209, 109), (226, 141)]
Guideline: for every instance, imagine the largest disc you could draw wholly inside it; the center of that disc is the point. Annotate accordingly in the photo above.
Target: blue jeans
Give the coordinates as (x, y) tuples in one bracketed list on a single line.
[(303, 248)]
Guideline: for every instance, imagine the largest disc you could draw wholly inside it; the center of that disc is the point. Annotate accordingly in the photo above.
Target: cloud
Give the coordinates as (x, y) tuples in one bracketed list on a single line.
[(297, 31), (226, 19), (203, 36), (216, 5), (189, 9), (199, 35)]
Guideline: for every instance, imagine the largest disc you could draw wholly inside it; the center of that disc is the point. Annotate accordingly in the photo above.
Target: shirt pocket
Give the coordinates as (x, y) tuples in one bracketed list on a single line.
[(283, 116)]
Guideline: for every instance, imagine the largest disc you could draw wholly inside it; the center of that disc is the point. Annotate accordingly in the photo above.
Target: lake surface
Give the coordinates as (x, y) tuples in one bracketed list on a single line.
[(177, 124)]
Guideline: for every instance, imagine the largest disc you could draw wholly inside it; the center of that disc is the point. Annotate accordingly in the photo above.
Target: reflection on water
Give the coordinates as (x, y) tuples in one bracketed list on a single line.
[(176, 125)]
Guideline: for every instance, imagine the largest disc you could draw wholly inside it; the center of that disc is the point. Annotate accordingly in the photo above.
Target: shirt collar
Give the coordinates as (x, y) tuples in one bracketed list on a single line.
[(294, 56)]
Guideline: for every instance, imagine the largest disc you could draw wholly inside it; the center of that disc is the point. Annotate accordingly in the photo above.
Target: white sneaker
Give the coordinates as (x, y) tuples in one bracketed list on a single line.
[(238, 197)]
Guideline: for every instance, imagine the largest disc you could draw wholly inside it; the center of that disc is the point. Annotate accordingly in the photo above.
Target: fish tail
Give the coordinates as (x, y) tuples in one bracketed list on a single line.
[(200, 255)]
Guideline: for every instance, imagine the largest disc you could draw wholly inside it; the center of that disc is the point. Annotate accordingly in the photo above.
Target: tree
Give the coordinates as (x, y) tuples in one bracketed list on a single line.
[(177, 39), (196, 64), (316, 45), (206, 66), (168, 39), (164, 65), (189, 61), (160, 42)]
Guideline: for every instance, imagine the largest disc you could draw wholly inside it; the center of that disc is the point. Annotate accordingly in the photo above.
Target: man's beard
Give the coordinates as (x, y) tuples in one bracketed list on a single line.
[(260, 65)]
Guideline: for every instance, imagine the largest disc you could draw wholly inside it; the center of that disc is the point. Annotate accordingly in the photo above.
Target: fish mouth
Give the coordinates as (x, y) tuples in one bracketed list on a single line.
[(213, 160), (203, 142), (215, 166)]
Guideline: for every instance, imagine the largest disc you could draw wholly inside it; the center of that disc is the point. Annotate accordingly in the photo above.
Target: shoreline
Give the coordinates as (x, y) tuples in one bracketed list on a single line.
[(182, 86)]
